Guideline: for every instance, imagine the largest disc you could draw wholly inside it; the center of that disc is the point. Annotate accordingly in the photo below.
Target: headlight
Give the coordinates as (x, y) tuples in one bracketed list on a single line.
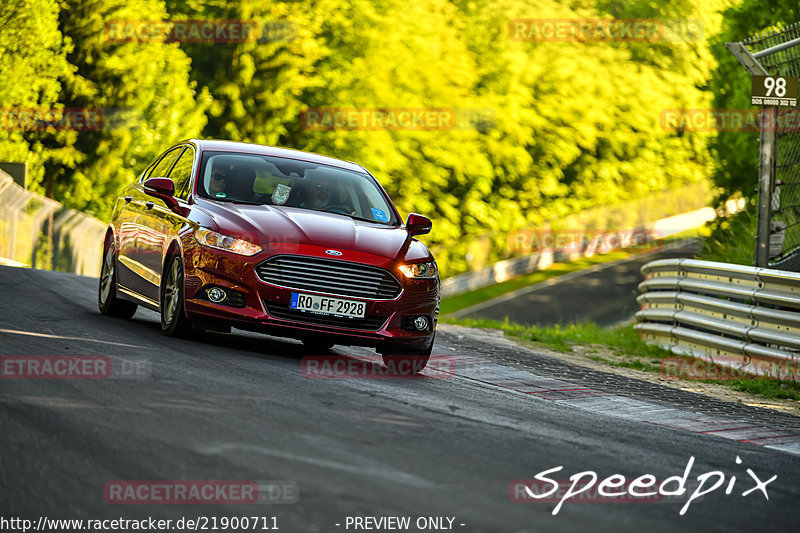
[(212, 239), (419, 270)]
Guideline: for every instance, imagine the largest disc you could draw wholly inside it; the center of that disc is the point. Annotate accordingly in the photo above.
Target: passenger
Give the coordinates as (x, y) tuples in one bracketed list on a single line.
[(219, 183)]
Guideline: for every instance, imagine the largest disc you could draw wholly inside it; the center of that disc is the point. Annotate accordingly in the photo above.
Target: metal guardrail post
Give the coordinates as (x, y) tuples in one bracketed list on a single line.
[(766, 184), (772, 52), (766, 172)]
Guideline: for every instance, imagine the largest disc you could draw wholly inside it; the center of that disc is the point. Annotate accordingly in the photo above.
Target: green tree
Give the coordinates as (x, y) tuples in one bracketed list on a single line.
[(32, 60), (737, 168), (255, 83), (143, 90)]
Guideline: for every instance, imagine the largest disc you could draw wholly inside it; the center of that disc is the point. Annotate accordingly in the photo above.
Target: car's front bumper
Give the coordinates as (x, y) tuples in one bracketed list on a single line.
[(260, 306)]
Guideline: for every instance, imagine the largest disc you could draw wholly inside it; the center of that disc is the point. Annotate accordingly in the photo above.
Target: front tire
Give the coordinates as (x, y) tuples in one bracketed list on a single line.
[(406, 361), (107, 299), (174, 321)]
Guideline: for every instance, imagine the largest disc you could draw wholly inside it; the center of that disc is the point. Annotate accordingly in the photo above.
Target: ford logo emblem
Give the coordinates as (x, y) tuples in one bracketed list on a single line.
[(333, 252)]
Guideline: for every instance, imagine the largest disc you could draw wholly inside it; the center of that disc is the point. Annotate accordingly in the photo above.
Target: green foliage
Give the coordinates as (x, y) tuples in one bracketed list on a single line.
[(576, 124), (567, 125), (144, 91), (256, 84), (737, 165), (732, 239), (32, 60)]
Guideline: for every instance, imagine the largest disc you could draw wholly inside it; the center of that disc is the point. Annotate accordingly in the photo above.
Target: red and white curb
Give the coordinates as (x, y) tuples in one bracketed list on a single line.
[(609, 404)]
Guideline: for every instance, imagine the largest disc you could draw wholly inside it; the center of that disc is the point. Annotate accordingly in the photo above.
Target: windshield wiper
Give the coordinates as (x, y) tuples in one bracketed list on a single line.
[(247, 203)]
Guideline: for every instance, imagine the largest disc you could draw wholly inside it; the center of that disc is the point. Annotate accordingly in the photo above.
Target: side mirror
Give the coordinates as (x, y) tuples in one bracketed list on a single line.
[(162, 188), (418, 224)]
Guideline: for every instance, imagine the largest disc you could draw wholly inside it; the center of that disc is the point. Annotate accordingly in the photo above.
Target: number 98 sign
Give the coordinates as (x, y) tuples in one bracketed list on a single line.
[(775, 91)]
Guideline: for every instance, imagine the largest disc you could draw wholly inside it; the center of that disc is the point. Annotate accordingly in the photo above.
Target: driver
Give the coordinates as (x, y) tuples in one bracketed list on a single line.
[(319, 195), (218, 183)]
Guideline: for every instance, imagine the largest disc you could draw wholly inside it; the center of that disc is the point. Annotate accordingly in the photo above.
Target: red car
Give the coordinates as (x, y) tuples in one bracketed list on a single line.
[(216, 234)]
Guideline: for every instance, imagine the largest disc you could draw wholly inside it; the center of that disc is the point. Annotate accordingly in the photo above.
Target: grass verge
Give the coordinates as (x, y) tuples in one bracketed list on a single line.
[(768, 388), (623, 341)]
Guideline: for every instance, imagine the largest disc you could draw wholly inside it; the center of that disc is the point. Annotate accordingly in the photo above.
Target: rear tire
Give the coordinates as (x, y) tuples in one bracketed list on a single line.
[(107, 299), (406, 361), (174, 321)]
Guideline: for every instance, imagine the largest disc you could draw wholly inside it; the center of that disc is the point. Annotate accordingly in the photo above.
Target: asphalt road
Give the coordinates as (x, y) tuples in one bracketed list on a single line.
[(237, 407), (604, 294)]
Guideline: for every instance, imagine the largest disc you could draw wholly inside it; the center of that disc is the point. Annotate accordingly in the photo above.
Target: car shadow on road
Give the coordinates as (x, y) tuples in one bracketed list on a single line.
[(336, 363)]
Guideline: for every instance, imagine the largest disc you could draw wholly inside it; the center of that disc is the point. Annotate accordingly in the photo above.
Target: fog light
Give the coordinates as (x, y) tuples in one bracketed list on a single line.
[(421, 323), (216, 295)]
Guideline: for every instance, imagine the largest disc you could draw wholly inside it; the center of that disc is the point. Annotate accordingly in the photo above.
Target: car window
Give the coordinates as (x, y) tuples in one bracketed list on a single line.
[(149, 169), (278, 181), (182, 173), (162, 168)]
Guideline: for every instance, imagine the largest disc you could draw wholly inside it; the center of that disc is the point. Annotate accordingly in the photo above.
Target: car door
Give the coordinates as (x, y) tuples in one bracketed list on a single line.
[(127, 223), (148, 239), (160, 223)]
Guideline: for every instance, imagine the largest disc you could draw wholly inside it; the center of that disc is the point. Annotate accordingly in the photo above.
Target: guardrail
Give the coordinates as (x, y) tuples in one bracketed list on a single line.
[(736, 316)]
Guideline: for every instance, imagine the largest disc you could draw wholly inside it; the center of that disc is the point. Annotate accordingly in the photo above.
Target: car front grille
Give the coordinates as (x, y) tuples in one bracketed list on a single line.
[(329, 276), (370, 323)]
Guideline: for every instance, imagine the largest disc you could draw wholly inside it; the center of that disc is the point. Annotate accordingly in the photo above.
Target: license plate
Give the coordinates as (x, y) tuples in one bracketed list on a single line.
[(328, 306)]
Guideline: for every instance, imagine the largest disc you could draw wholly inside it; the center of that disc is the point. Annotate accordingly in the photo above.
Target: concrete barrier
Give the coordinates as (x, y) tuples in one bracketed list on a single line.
[(41, 233)]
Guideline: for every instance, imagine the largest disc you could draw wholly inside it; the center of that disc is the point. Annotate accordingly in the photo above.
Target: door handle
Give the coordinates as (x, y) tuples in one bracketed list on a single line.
[(149, 205), (128, 199)]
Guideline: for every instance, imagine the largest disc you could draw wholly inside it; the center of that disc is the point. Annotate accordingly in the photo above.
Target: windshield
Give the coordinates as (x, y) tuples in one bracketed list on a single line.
[(264, 180)]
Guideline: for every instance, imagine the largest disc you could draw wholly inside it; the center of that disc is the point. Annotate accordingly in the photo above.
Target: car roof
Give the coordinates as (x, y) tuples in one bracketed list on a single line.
[(260, 149)]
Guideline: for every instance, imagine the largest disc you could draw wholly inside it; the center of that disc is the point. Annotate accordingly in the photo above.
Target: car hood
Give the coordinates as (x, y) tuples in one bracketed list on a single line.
[(263, 224)]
